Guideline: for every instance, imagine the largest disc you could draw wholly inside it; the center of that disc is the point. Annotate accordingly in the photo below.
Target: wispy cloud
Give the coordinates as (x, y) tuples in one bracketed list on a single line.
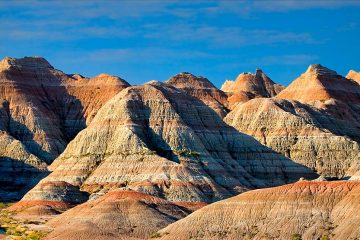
[(154, 55), (226, 36), (290, 5), (290, 59)]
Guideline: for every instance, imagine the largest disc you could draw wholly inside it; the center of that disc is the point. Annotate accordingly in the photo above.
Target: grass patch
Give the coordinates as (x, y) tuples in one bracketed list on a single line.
[(188, 153), (16, 229), (155, 235), (296, 236)]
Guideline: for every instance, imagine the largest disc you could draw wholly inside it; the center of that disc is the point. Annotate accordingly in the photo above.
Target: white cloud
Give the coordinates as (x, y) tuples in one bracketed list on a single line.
[(290, 59)]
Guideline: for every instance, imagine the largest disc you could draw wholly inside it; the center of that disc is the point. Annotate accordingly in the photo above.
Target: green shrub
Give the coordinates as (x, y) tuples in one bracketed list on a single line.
[(296, 236), (155, 235)]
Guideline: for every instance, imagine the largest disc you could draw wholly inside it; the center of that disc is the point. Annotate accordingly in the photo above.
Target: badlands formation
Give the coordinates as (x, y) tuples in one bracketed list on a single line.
[(315, 121), (304, 210), (248, 86), (42, 109), (106, 160), (157, 140), (202, 89)]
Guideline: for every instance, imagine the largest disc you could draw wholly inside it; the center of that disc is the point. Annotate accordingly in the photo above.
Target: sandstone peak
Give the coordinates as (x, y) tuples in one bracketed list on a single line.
[(76, 76), (41, 111), (188, 80), (164, 142), (319, 83), (202, 89), (320, 70), (26, 62), (305, 134), (250, 85), (354, 76)]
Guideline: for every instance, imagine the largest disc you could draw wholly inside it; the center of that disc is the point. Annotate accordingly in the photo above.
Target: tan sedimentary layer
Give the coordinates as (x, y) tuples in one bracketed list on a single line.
[(319, 83), (299, 131), (116, 215), (310, 210), (43, 109), (157, 140), (248, 86), (202, 89)]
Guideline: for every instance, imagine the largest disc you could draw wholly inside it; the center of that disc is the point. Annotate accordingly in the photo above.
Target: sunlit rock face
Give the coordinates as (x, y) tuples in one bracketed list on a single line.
[(116, 215), (248, 86), (318, 84), (42, 109), (353, 75), (299, 131), (202, 89), (314, 121), (306, 210), (158, 140)]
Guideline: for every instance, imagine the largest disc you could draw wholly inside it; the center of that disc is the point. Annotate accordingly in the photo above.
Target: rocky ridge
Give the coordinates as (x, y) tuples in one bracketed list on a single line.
[(320, 84), (116, 215), (248, 86), (42, 109), (202, 89), (312, 121), (304, 210), (157, 140), (299, 131)]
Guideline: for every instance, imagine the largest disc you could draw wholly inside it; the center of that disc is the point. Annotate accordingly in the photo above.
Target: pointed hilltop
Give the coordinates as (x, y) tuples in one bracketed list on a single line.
[(353, 75), (42, 110), (161, 141), (307, 135), (250, 85), (319, 84), (202, 89)]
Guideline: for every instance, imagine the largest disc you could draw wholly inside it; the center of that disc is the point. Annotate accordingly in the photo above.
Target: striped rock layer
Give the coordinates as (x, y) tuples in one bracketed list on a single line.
[(42, 109), (304, 210), (160, 141), (202, 89), (315, 121), (328, 91), (299, 131), (116, 215), (248, 86)]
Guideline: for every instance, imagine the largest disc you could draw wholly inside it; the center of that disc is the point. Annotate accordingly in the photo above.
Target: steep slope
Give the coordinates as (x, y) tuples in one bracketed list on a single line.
[(202, 89), (116, 215), (299, 131), (248, 86), (354, 76), (161, 141), (306, 210), (93, 93), (319, 84), (43, 109), (326, 90)]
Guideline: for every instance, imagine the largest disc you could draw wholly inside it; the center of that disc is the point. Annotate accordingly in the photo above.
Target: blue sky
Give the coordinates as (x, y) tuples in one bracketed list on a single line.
[(145, 40)]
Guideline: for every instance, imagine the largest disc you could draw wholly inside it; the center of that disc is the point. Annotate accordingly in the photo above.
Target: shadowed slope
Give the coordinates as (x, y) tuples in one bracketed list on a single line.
[(44, 109), (158, 140), (202, 89), (299, 131)]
